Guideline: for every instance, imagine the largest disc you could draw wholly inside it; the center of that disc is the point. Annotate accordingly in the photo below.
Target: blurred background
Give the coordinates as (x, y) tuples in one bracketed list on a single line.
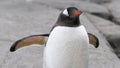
[(21, 18)]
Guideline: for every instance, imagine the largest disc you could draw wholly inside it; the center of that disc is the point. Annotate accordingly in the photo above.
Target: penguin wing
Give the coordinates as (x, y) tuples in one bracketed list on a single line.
[(27, 41), (93, 40)]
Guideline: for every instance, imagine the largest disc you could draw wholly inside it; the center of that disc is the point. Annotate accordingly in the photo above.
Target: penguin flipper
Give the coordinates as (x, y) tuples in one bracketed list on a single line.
[(27, 41), (93, 40)]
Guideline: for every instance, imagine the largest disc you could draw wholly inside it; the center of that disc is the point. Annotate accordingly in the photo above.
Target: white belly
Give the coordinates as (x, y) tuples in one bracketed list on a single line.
[(67, 47)]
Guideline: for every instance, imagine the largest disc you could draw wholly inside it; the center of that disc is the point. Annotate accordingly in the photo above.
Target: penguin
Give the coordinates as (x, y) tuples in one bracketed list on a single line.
[(41, 40), (67, 43)]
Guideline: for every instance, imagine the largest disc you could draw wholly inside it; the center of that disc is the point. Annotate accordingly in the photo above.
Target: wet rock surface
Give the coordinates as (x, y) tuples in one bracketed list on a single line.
[(21, 18)]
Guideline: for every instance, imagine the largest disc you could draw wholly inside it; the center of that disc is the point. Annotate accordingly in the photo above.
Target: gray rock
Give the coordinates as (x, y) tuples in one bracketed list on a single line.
[(4, 50), (101, 57), (105, 26), (82, 5), (110, 30), (98, 1), (115, 42), (114, 8), (21, 17), (26, 57)]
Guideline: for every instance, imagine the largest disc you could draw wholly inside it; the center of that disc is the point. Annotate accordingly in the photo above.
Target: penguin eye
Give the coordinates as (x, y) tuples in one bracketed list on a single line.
[(65, 12)]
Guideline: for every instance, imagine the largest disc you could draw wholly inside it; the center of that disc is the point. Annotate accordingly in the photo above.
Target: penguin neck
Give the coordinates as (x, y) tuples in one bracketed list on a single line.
[(67, 21)]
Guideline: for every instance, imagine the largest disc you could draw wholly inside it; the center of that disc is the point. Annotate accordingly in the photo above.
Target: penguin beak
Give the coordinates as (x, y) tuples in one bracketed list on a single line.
[(77, 13)]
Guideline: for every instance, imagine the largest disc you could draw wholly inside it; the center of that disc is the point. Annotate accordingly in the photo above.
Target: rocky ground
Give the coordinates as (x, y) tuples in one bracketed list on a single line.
[(21, 18)]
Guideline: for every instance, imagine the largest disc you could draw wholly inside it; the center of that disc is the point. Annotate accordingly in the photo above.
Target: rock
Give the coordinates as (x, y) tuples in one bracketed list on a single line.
[(105, 26), (4, 50), (101, 57), (98, 1), (22, 16), (26, 57), (110, 30), (115, 42), (114, 8), (82, 5)]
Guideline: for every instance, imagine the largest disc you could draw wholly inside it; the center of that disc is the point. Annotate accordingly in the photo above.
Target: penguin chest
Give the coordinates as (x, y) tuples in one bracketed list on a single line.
[(67, 48)]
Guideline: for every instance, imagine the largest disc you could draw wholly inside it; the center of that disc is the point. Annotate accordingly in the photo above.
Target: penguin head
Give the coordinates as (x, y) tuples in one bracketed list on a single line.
[(71, 12), (69, 17)]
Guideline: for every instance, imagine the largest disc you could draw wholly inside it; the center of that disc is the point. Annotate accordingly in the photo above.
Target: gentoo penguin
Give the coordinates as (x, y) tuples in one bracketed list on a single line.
[(67, 44), (41, 39)]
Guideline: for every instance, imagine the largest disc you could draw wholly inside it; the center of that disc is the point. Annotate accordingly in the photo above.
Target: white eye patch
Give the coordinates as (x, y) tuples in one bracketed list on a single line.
[(65, 12)]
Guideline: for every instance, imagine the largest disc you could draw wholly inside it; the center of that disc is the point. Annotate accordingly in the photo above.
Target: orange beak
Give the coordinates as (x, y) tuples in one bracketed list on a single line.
[(77, 13)]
